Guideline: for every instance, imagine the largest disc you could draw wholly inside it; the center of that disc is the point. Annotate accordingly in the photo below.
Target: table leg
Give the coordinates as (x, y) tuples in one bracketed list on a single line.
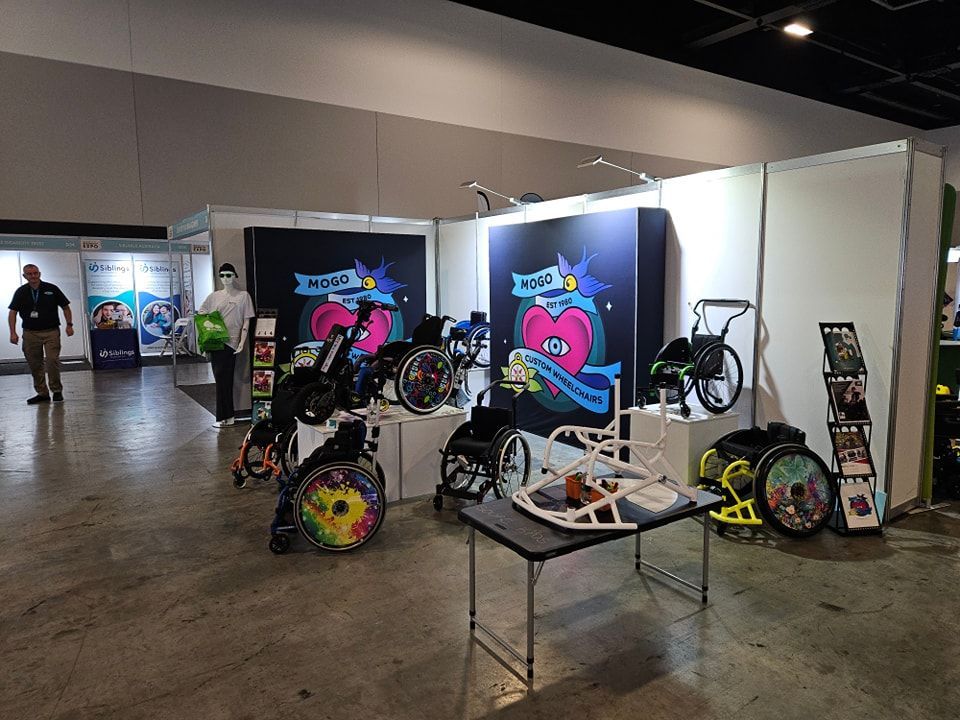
[(706, 559), (473, 578), (636, 554), (530, 582)]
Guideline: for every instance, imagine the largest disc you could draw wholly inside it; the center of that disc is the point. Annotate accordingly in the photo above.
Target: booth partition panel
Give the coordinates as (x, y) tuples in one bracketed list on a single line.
[(63, 269), (457, 256), (831, 253), (10, 279)]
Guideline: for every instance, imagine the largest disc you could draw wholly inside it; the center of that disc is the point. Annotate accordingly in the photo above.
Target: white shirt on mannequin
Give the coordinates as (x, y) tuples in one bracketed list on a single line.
[(236, 309)]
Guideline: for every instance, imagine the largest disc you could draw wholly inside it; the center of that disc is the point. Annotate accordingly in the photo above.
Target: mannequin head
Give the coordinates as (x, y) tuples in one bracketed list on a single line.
[(228, 276)]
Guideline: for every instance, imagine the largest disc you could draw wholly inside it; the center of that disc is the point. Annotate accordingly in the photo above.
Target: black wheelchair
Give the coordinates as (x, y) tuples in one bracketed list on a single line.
[(769, 474), (488, 446), (704, 363)]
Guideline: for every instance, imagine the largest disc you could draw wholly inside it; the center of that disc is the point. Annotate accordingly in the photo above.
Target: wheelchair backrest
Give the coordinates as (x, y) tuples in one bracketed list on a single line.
[(781, 432), (429, 331), (701, 341), (486, 421)]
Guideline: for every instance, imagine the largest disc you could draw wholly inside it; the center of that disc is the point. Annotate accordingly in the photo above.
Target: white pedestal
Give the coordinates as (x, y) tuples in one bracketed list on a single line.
[(409, 447), (687, 438)]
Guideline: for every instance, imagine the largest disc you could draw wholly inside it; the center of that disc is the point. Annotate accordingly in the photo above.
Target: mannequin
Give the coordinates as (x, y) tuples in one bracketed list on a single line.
[(236, 308)]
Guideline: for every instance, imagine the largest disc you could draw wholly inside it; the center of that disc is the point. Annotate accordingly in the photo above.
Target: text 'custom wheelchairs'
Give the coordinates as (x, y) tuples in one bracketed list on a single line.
[(790, 484), (488, 446), (704, 363)]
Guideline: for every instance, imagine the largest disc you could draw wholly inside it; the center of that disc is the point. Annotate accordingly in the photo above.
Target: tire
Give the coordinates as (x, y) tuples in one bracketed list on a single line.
[(279, 543), (511, 464), (339, 506), (366, 462), (289, 450), (718, 377), (424, 380), (479, 337), (452, 473), (252, 460), (315, 402), (438, 502), (794, 490)]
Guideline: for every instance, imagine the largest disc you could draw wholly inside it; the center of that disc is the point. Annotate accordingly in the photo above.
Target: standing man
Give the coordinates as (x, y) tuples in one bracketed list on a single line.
[(37, 304)]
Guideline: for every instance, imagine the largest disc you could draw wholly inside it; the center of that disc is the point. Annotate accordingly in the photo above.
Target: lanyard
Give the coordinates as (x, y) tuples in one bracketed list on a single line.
[(36, 296)]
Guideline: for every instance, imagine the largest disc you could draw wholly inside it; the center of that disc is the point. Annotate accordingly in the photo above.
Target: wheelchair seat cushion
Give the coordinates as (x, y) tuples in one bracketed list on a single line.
[(469, 446)]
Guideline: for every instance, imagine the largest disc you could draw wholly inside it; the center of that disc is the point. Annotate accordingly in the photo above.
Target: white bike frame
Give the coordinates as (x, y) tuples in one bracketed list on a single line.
[(646, 466)]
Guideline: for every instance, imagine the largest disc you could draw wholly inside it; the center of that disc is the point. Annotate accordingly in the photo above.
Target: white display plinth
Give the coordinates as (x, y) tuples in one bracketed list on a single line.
[(409, 447), (687, 438)]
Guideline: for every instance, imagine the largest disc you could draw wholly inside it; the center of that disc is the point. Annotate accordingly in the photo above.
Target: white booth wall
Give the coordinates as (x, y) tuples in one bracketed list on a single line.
[(849, 236)]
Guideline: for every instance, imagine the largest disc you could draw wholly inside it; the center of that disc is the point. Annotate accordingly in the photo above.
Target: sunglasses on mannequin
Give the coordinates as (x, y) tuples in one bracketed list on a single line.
[(227, 275)]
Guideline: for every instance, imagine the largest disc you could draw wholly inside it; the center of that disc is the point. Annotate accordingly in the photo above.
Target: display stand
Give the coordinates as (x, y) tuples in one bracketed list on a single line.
[(850, 429), (263, 373), (408, 446), (688, 438)]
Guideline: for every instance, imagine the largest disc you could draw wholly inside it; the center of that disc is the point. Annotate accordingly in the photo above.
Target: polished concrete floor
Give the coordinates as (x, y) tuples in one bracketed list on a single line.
[(136, 583)]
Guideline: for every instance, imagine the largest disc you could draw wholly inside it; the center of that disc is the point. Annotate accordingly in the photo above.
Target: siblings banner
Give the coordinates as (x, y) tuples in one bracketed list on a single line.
[(157, 310), (574, 302), (315, 278), (110, 297)]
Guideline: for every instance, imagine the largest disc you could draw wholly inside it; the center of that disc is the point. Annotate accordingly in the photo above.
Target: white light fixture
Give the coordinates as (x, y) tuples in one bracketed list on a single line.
[(797, 29), (474, 184), (598, 160), (953, 255)]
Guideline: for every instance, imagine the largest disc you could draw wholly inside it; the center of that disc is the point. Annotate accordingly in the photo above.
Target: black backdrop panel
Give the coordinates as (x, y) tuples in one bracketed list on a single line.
[(314, 278), (564, 311)]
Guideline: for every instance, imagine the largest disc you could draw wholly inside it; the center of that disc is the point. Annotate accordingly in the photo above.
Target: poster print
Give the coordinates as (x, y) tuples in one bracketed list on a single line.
[(264, 353), (858, 506), (843, 348), (564, 311), (853, 455), (316, 278), (849, 401), (110, 298), (157, 310)]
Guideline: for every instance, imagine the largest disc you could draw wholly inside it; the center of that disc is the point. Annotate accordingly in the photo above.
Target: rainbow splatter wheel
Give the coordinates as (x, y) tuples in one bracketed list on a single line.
[(794, 491), (424, 380), (339, 506)]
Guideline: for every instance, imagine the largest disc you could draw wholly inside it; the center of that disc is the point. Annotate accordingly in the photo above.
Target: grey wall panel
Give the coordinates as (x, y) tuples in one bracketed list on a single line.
[(68, 148), (203, 144), (422, 164)]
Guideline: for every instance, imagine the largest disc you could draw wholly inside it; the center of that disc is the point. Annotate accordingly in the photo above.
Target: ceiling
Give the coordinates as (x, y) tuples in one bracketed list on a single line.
[(895, 59)]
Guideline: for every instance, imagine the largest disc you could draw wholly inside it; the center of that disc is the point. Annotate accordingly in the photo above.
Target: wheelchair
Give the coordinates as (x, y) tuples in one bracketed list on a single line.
[(270, 446), (772, 471), (704, 363), (488, 446)]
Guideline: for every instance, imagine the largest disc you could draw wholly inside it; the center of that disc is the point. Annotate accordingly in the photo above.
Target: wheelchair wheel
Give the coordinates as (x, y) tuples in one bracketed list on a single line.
[(315, 402), (339, 506), (366, 462), (794, 490), (718, 377), (511, 464), (454, 472), (478, 340), (288, 450), (424, 380), (253, 462)]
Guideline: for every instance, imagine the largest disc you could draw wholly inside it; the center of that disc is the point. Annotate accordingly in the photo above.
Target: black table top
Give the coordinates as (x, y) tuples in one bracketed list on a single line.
[(536, 539)]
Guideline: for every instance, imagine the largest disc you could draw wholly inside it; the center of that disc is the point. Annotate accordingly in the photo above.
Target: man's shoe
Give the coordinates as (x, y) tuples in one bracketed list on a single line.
[(36, 399), (58, 397), (224, 423)]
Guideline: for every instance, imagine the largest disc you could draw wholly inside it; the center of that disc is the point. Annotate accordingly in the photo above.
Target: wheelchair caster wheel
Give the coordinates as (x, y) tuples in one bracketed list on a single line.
[(239, 481), (438, 502), (721, 529), (279, 544), (685, 411)]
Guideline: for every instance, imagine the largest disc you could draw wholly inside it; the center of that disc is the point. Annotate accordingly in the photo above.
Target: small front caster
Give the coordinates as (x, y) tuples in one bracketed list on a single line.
[(279, 544), (438, 502)]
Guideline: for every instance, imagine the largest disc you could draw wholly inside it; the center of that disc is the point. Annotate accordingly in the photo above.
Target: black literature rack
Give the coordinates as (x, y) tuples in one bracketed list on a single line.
[(264, 364)]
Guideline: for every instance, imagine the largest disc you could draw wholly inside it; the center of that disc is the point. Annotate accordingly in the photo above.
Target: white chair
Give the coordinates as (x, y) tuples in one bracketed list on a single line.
[(179, 338)]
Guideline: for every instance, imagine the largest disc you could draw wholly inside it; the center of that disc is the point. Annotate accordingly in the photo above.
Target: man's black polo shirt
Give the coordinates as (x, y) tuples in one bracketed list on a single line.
[(45, 300)]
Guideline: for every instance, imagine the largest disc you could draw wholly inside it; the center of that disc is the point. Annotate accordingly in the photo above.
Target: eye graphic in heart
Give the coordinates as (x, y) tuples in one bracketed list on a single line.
[(329, 314), (567, 339)]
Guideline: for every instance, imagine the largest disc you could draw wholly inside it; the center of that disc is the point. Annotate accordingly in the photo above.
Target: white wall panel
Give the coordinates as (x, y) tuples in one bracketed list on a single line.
[(10, 279), (713, 239), (458, 268), (63, 269), (227, 236), (646, 198), (918, 310), (831, 253)]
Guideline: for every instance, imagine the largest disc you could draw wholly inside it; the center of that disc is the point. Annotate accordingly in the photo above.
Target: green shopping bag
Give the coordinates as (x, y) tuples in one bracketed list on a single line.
[(212, 333)]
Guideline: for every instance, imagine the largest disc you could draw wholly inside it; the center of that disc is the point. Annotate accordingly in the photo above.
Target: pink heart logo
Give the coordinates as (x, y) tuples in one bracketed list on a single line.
[(567, 340), (328, 314)]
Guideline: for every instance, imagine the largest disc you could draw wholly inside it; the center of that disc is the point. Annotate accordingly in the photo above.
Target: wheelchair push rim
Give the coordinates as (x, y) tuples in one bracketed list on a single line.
[(478, 341), (718, 377), (424, 380), (511, 464), (794, 490), (339, 506)]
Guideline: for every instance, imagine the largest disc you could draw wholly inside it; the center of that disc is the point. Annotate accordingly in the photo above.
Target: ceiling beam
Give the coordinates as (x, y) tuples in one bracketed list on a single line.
[(751, 23)]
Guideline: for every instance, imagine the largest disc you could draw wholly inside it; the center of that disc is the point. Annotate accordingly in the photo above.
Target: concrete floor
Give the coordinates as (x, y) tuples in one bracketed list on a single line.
[(136, 583)]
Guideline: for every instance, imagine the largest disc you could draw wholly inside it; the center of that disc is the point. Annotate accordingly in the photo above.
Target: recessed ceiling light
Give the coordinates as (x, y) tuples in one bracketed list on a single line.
[(797, 29)]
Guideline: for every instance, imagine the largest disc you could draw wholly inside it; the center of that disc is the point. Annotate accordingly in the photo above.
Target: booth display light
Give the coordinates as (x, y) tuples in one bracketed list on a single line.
[(598, 160), (474, 184)]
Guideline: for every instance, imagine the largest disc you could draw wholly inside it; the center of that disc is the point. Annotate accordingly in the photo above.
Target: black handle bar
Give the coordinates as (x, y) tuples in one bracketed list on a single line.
[(719, 301)]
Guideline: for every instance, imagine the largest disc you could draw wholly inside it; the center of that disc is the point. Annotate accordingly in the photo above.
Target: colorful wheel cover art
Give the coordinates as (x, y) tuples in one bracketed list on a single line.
[(795, 493), (339, 506), (426, 380)]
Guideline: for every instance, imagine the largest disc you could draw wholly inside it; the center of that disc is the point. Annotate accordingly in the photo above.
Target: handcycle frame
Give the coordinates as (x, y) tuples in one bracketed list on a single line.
[(603, 446)]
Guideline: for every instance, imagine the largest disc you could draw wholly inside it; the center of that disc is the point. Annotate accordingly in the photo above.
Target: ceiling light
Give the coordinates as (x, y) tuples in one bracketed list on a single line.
[(598, 160), (474, 184), (797, 29)]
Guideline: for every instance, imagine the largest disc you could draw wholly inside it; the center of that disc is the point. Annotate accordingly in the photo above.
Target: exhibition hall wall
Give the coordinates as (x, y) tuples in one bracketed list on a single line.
[(372, 107)]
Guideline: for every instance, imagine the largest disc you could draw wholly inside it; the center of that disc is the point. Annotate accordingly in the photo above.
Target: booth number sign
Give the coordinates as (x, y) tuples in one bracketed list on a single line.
[(90, 244)]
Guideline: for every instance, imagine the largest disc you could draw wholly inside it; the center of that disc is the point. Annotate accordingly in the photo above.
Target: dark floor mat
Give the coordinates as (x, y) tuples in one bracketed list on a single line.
[(19, 367), (205, 395)]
